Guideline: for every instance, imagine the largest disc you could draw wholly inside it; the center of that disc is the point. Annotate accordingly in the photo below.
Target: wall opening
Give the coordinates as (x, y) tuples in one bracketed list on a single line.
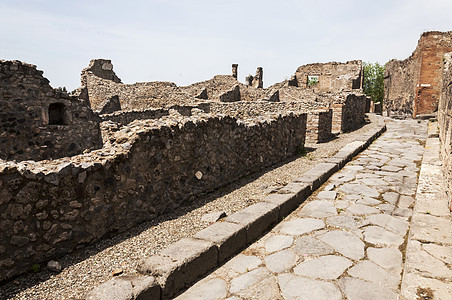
[(57, 112), (312, 80)]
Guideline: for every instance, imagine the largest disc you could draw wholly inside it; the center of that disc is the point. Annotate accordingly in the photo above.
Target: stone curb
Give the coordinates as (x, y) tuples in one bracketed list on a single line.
[(180, 264)]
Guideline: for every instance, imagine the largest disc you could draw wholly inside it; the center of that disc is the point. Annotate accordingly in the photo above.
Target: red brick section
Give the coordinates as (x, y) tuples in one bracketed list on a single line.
[(432, 46)]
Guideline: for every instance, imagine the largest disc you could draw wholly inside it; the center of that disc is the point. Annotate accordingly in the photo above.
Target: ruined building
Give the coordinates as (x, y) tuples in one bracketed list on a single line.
[(75, 169), (329, 77), (413, 86), (39, 122)]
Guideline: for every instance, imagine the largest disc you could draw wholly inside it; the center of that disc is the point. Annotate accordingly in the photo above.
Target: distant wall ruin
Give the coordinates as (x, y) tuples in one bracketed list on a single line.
[(328, 77), (413, 86), (38, 122)]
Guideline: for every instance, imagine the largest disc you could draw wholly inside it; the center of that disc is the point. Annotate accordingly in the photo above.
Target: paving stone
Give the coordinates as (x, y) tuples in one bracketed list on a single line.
[(423, 263), (443, 253), (345, 243), (296, 287), (381, 237), (278, 242), (357, 289), (402, 212), (341, 204), (391, 168), (318, 209), (386, 208), (352, 198), (387, 258), (391, 197), (431, 229), (427, 203), (306, 245), (281, 261), (413, 283), (368, 201), (373, 181), (212, 289), (342, 177), (243, 263), (359, 189), (405, 201), (329, 187), (390, 223), (369, 271), (248, 279), (266, 289), (347, 222), (327, 195), (300, 226), (326, 267), (361, 209)]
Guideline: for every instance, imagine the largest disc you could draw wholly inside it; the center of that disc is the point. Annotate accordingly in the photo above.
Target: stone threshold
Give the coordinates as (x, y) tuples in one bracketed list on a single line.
[(183, 262)]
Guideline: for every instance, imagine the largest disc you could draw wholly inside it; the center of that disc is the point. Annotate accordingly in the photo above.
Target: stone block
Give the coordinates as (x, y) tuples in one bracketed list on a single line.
[(319, 174), (289, 197), (181, 264), (125, 288), (256, 218), (228, 237)]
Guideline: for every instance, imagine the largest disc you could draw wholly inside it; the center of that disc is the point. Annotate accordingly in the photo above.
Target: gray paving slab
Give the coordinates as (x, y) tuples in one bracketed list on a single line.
[(278, 242), (300, 226), (345, 243), (297, 287), (325, 267), (281, 261)]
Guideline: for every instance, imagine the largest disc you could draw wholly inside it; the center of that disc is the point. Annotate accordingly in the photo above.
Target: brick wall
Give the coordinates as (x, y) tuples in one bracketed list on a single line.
[(413, 86)]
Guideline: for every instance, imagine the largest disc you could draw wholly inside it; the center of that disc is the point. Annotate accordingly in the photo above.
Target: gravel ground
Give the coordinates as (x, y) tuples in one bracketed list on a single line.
[(93, 265)]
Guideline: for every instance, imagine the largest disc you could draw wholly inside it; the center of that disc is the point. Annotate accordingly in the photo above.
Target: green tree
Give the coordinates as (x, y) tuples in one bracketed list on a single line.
[(373, 85)]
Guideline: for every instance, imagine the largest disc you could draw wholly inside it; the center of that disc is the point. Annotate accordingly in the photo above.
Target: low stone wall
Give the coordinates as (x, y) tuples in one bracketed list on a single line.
[(126, 117), (319, 125), (49, 208), (38, 122), (445, 124), (353, 112)]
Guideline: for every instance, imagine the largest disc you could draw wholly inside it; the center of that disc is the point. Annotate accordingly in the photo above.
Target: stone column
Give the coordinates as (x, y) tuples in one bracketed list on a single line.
[(235, 68), (258, 81)]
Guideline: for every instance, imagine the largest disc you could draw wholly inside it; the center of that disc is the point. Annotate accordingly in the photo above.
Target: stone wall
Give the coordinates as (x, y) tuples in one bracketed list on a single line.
[(49, 208), (126, 117), (349, 114), (399, 86), (319, 126), (38, 122), (445, 124), (332, 76), (413, 86)]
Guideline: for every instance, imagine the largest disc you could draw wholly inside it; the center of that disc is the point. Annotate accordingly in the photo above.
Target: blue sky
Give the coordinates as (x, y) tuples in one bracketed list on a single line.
[(189, 41)]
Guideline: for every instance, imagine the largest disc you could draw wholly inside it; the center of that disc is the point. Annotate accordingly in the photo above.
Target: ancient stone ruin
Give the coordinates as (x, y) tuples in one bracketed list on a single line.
[(39, 122), (77, 168), (413, 86)]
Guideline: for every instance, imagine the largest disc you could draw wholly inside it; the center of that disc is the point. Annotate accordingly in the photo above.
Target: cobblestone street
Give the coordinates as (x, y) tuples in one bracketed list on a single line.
[(349, 240)]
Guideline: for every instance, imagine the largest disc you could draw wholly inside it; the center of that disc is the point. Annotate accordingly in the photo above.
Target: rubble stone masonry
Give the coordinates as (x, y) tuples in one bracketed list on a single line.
[(38, 122), (445, 124), (49, 208)]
